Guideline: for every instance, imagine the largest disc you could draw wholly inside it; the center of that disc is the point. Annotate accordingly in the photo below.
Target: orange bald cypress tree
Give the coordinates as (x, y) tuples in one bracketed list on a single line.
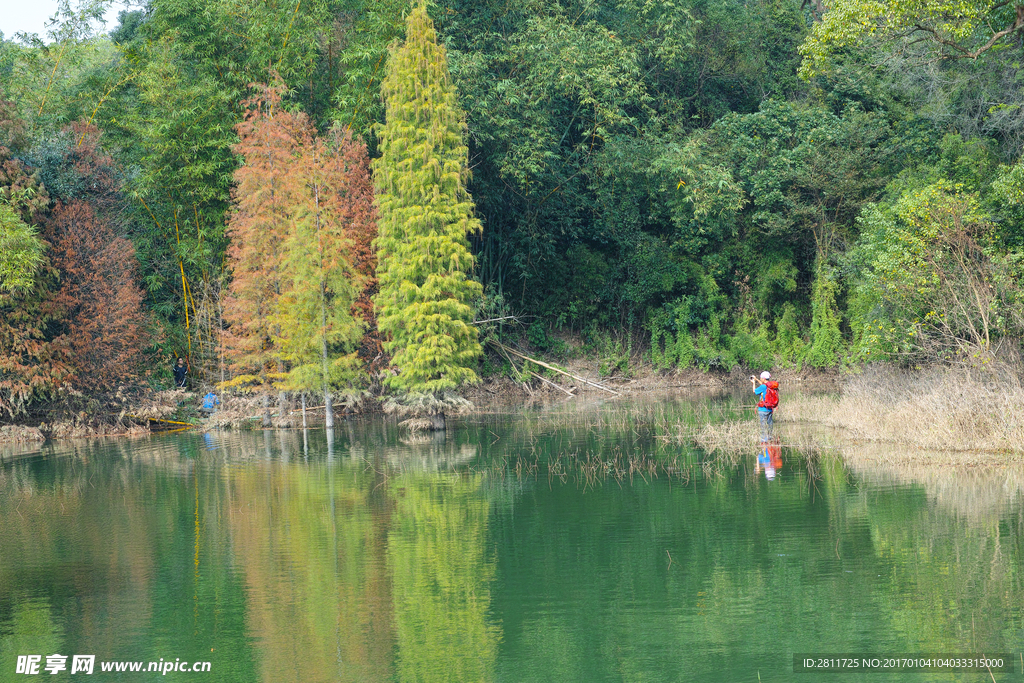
[(327, 259), (270, 140), (300, 257)]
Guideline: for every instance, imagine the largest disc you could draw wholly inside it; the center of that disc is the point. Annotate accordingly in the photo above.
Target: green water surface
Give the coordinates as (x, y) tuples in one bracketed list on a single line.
[(576, 543)]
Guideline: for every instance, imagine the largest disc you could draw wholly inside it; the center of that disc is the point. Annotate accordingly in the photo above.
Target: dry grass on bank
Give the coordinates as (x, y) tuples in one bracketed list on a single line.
[(939, 409)]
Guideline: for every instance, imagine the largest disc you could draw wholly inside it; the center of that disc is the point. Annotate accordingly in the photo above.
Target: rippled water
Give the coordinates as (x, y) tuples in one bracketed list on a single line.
[(579, 543)]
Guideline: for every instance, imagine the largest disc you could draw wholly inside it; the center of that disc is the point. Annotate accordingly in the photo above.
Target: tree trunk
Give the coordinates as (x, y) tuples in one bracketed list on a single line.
[(220, 337), (328, 409), (303, 409), (328, 403), (267, 422), (282, 408)]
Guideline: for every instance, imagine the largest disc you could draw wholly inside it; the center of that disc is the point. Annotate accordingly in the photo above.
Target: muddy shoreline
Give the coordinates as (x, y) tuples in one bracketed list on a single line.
[(166, 410)]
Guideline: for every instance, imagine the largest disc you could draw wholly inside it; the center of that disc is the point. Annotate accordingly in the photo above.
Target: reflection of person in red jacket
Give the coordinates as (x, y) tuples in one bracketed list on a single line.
[(770, 458)]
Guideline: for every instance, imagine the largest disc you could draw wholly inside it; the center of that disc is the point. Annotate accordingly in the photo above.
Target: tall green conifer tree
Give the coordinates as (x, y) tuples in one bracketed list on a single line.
[(425, 214)]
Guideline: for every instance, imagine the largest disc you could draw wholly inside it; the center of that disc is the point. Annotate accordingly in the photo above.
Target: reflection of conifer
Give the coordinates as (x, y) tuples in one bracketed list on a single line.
[(425, 213)]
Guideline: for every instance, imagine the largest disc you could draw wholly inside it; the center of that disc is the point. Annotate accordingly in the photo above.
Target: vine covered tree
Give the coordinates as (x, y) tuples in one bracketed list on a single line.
[(425, 213)]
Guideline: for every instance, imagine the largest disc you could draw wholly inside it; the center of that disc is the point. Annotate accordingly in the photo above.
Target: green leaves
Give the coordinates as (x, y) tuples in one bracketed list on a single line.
[(316, 328), (827, 342), (953, 29), (930, 284), (21, 251), (425, 213)]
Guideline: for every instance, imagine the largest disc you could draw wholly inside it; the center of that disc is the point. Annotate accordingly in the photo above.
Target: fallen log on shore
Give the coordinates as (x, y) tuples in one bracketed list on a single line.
[(542, 364)]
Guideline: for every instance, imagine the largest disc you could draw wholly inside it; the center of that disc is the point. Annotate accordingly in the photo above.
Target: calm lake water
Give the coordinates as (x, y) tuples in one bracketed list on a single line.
[(575, 543)]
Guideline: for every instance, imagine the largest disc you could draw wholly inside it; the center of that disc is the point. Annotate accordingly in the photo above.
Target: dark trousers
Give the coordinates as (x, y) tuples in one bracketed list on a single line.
[(766, 424)]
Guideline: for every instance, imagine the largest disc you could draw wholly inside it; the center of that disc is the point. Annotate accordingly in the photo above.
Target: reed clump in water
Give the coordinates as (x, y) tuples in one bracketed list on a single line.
[(588, 468), (739, 436), (947, 409)]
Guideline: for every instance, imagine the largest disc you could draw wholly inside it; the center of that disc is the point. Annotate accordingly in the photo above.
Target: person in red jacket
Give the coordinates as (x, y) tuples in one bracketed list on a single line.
[(768, 391)]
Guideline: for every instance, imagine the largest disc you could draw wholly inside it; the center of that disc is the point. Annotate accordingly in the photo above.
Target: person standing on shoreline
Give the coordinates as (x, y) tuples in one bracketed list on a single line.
[(768, 391), (180, 370)]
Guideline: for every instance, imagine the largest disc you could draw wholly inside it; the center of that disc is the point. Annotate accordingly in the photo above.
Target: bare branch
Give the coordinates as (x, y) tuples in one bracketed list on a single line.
[(964, 53)]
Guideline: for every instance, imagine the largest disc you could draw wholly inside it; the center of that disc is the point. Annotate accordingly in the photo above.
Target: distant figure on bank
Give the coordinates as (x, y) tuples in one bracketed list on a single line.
[(768, 391), (180, 370), (210, 403)]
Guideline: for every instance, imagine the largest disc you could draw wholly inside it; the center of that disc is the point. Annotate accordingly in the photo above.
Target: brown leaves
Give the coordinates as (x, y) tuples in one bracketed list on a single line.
[(104, 327), (269, 140), (289, 172), (82, 328)]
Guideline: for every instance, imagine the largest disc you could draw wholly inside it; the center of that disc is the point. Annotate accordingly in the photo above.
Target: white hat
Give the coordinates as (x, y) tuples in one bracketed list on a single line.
[(766, 375)]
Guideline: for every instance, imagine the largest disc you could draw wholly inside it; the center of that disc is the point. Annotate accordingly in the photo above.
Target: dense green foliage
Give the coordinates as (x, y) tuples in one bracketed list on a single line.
[(648, 176)]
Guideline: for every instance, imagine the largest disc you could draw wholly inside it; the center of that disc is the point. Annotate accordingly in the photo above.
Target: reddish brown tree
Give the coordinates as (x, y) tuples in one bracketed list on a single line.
[(91, 172), (32, 367), (353, 163), (270, 140), (104, 330)]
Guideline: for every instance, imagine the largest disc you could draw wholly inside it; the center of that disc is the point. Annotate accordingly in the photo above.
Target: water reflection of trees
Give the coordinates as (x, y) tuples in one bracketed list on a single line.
[(954, 537), (310, 542), (338, 566), (357, 564), (123, 554), (442, 569), (375, 557), (980, 494)]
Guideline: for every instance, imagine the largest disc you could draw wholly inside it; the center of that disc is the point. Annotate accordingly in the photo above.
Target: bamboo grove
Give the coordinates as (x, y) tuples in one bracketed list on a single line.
[(322, 197)]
